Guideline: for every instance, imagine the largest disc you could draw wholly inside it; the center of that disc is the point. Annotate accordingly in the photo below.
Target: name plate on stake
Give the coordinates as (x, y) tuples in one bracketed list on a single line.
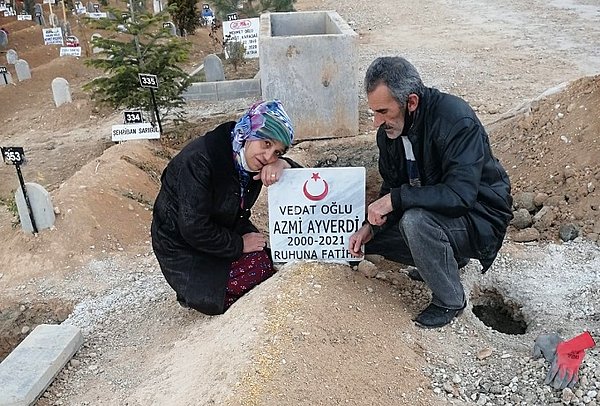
[(141, 131)]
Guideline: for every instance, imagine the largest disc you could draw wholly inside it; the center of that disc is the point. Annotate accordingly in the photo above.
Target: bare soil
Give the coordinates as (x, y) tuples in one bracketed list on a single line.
[(315, 334)]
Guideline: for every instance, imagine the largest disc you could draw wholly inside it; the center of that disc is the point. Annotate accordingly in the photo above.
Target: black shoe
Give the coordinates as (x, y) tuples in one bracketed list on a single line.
[(414, 274), (435, 316)]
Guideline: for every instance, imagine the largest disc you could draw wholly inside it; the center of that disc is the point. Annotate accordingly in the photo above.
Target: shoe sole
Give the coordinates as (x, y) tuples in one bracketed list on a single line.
[(424, 326)]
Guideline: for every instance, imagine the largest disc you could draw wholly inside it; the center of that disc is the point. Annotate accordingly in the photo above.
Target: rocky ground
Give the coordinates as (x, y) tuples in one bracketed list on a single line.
[(322, 334)]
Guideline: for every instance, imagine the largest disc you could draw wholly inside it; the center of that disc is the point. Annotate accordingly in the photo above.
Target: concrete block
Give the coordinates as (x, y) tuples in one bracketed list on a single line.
[(206, 91), (31, 367), (309, 61), (237, 89)]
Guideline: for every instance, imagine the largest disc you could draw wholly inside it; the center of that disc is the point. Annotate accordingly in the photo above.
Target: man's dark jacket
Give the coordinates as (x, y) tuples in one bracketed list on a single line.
[(459, 174), (198, 223)]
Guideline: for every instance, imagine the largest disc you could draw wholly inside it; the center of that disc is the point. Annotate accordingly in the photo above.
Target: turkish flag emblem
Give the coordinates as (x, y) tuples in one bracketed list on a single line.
[(315, 188)]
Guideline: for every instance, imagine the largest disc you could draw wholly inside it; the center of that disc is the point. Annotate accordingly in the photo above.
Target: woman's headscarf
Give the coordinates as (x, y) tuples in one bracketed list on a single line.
[(263, 120)]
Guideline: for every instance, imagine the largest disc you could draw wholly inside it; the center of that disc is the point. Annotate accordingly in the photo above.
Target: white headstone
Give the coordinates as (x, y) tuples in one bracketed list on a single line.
[(96, 50), (61, 91), (213, 68), (53, 20), (11, 56), (41, 206), (23, 71), (5, 79)]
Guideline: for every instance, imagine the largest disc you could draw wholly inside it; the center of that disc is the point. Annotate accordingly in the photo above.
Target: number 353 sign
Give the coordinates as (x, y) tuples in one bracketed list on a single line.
[(13, 155)]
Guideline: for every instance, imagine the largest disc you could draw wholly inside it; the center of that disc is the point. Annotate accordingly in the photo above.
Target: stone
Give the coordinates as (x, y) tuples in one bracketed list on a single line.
[(367, 268), (521, 219), (11, 56), (568, 232), (544, 218), (41, 206), (23, 71), (540, 199), (213, 68), (527, 235), (61, 91), (524, 200)]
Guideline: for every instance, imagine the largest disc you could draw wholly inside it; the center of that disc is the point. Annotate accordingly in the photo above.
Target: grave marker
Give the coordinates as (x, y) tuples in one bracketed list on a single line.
[(16, 156), (61, 91), (3, 38), (53, 36), (23, 71), (213, 68), (6, 76), (170, 27), (96, 50), (11, 56), (314, 211), (41, 208)]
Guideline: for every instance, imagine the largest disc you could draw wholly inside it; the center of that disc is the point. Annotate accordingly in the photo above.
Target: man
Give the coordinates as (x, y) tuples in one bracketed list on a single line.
[(444, 199)]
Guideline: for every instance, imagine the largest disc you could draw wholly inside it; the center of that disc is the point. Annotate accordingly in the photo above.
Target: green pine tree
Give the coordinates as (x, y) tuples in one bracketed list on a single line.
[(185, 15), (148, 49)]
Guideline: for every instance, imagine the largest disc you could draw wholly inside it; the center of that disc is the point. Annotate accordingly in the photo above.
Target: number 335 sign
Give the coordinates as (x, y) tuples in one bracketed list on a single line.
[(148, 81)]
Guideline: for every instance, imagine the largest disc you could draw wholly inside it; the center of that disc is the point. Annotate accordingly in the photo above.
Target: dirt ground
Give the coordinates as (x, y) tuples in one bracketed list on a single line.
[(315, 334)]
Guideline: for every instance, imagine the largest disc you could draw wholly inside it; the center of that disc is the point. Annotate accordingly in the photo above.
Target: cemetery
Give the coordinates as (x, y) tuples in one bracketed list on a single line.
[(76, 251)]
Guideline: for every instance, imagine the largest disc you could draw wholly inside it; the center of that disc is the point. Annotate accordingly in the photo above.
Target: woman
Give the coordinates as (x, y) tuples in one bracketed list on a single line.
[(208, 250)]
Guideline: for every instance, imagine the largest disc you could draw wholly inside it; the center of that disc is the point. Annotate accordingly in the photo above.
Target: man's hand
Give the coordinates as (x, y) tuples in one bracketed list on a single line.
[(254, 242), (377, 211), (362, 236), (271, 173)]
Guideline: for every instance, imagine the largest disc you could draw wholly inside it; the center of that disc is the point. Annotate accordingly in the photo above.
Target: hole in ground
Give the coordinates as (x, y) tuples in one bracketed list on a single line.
[(490, 307), (18, 320)]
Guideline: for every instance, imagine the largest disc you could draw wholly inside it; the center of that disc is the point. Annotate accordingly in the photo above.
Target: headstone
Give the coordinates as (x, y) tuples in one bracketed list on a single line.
[(171, 27), (3, 39), (23, 71), (66, 27), (53, 20), (96, 50), (11, 56), (61, 91), (90, 7), (38, 14), (5, 79), (213, 68), (41, 206)]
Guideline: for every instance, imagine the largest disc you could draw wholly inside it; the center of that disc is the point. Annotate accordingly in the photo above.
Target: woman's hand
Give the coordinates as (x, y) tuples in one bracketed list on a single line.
[(254, 242), (271, 173)]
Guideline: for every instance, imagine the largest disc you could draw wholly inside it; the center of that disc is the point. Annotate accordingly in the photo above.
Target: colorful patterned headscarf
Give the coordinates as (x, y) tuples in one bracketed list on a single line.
[(263, 120)]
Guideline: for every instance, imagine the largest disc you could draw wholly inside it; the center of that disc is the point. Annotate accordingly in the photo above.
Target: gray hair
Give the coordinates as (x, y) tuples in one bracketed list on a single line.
[(399, 75)]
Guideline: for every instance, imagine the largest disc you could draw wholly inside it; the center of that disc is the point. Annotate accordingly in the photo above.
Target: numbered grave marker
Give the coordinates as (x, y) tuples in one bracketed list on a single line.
[(148, 81), (132, 117), (13, 155), (232, 17), (16, 156)]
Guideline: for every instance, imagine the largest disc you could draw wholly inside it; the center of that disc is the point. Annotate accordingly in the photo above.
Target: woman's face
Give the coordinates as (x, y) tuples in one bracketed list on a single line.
[(259, 153)]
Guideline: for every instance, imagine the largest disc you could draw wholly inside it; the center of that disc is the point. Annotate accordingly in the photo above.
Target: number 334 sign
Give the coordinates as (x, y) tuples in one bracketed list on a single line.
[(13, 155)]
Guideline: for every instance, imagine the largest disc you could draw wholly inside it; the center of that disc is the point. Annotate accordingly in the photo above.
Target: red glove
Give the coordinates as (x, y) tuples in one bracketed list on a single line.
[(565, 367)]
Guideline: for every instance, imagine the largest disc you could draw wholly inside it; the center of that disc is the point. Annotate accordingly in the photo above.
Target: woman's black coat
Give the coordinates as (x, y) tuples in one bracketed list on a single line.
[(198, 223)]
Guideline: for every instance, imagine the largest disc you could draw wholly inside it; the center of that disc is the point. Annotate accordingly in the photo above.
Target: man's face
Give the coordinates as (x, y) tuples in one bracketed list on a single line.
[(388, 111), (259, 153)]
